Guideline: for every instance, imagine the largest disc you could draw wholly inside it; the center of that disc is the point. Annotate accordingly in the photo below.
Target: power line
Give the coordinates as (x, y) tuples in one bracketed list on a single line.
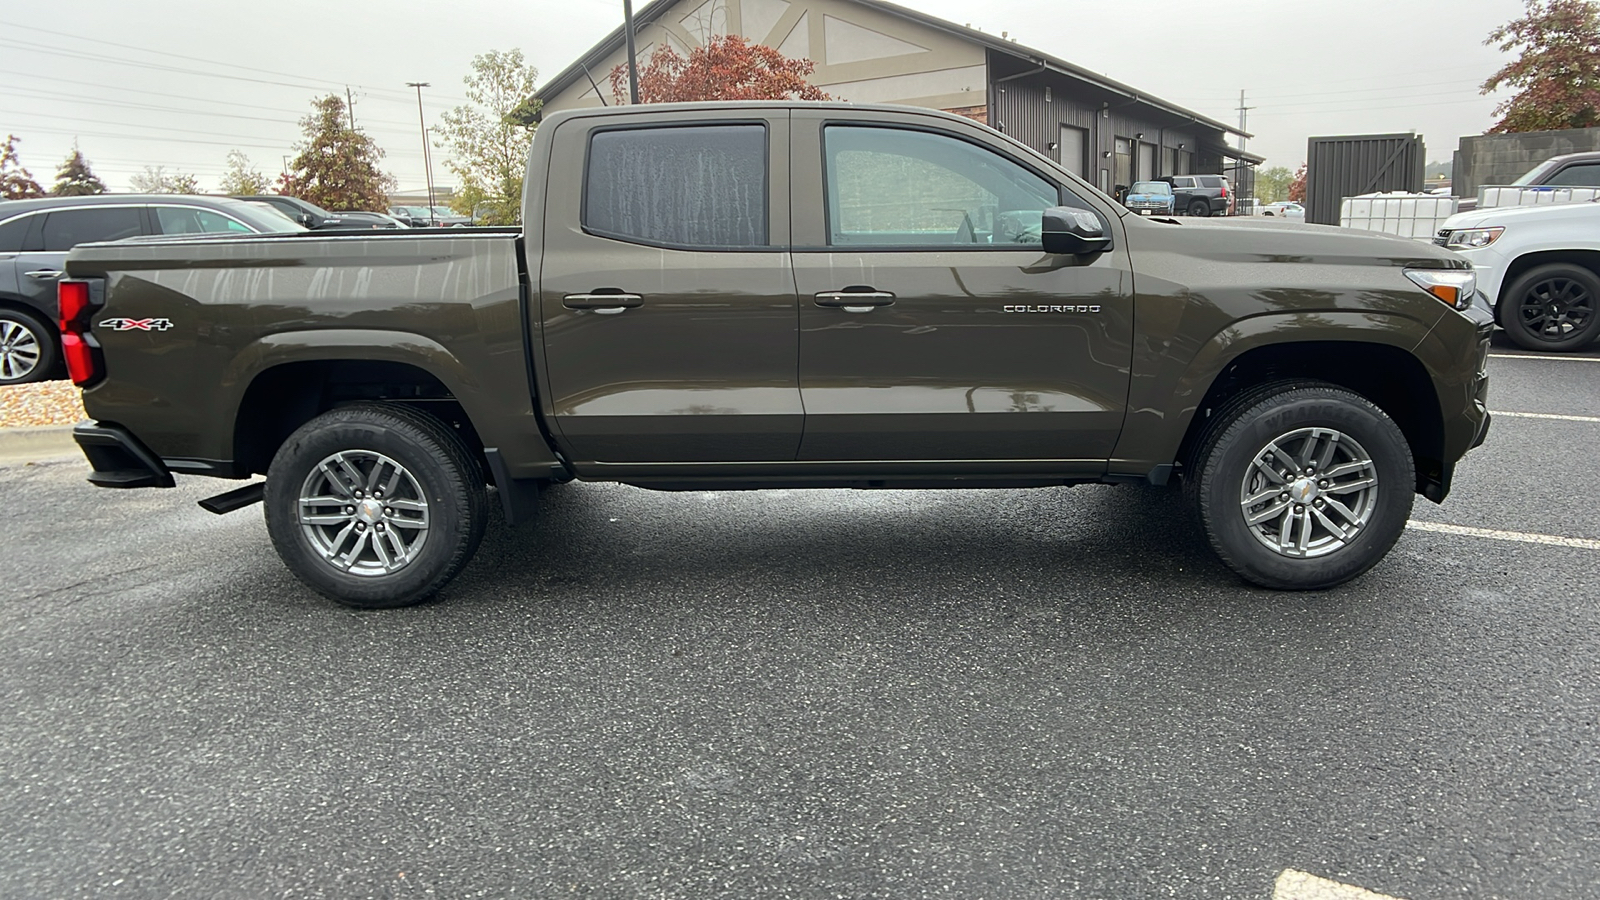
[(191, 58)]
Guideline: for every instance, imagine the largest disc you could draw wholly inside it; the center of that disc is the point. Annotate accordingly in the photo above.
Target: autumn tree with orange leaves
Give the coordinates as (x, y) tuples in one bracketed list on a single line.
[(1557, 74), (722, 68)]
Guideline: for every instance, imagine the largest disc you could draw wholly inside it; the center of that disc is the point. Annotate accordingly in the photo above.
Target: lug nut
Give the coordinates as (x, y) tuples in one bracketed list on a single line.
[(1320, 503), (358, 494), (1323, 484), (349, 510), (361, 526), (1283, 496)]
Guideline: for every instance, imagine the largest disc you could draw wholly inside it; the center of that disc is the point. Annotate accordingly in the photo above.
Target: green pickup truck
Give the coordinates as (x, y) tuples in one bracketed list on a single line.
[(736, 296)]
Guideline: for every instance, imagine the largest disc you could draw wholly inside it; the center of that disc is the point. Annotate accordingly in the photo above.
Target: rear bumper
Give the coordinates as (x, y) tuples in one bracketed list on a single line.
[(118, 459)]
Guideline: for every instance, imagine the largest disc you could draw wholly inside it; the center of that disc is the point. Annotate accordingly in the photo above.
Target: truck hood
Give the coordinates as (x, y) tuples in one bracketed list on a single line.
[(1506, 215), (1279, 240)]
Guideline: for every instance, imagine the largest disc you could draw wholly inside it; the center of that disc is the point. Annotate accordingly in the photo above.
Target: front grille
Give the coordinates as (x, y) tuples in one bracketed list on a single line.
[(1443, 237)]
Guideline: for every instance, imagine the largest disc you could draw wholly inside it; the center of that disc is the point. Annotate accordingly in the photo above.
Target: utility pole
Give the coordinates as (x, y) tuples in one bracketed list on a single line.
[(427, 159), (1242, 118), (350, 106), (633, 56)]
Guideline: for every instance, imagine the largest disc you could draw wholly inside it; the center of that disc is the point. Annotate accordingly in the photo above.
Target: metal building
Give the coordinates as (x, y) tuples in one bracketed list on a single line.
[(1352, 165), (870, 51)]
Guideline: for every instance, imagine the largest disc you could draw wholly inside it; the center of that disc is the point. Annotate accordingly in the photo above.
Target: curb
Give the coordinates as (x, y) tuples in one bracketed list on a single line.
[(23, 445)]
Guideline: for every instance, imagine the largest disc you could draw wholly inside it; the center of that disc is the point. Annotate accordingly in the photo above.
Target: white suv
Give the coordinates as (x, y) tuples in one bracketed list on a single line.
[(1538, 269)]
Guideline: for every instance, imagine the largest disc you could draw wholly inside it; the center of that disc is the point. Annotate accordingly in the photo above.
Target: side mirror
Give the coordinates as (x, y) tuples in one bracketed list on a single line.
[(1073, 232), (304, 219)]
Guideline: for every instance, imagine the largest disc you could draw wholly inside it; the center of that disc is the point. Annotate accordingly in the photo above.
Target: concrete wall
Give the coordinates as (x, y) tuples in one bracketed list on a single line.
[(862, 55), (1502, 158)]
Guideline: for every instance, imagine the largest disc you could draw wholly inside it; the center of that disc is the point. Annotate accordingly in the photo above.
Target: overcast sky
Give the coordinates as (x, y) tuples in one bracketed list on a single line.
[(178, 83)]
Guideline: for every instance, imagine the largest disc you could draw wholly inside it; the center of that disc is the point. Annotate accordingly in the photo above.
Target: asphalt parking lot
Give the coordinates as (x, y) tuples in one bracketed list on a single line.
[(1040, 693)]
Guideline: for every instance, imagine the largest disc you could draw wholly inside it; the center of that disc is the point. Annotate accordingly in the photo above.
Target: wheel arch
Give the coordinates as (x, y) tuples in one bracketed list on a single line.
[(1587, 259), (1388, 375)]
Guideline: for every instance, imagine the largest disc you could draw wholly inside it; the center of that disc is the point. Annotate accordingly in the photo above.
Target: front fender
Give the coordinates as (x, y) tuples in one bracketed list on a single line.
[(1167, 388)]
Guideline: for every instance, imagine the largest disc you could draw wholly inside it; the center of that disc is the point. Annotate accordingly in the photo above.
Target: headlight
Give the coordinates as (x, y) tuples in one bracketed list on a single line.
[(1454, 286), (1473, 238)]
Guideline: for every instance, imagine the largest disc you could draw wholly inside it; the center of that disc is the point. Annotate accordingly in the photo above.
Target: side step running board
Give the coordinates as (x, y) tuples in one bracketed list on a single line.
[(236, 499)]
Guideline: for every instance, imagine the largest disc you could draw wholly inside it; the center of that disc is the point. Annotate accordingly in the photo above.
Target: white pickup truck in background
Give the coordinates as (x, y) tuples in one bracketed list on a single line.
[(1538, 269)]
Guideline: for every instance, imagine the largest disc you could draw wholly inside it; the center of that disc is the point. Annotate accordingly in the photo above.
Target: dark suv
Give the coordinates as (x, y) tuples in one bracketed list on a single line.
[(1201, 195), (315, 217), (1567, 170), (35, 236)]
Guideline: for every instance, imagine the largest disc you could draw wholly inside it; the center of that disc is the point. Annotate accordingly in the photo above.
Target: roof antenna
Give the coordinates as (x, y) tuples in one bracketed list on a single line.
[(595, 86)]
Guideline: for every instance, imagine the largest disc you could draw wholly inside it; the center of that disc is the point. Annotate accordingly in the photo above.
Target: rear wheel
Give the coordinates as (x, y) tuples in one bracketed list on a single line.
[(375, 505), (1200, 208), (28, 348), (1302, 485), (1553, 308)]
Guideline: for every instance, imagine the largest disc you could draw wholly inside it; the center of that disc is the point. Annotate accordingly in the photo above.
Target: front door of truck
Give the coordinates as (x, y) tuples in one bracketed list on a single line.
[(666, 293), (932, 325)]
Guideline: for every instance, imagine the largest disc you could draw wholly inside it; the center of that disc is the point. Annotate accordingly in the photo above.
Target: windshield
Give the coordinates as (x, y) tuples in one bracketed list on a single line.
[(442, 211), (1532, 175), (1151, 187)]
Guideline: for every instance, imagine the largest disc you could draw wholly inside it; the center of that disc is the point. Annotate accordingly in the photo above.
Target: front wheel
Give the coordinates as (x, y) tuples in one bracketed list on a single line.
[(1554, 308), (1302, 485), (375, 505)]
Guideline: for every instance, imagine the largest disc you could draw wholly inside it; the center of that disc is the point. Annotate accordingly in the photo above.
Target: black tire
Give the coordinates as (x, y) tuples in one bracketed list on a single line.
[(29, 348), (1200, 208), (1219, 477), (1554, 308), (443, 472)]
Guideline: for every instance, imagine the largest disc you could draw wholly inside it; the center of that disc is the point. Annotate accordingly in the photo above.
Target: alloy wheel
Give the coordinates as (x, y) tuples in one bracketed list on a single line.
[(1309, 493), (1556, 308), (19, 351), (363, 513)]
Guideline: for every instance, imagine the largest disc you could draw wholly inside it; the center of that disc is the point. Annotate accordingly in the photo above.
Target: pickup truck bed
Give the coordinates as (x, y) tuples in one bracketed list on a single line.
[(721, 296)]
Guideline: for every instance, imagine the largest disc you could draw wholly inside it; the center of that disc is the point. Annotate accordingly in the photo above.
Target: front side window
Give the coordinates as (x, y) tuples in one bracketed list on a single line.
[(703, 186), (901, 188), (67, 228), (1583, 175), (188, 220)]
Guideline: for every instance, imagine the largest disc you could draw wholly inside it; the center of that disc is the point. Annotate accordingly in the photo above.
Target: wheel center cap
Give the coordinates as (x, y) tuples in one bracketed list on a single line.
[(369, 511), (1303, 490)]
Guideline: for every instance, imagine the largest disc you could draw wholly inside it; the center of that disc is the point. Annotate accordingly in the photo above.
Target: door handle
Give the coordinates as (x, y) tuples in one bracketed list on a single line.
[(603, 304), (855, 301), (44, 274)]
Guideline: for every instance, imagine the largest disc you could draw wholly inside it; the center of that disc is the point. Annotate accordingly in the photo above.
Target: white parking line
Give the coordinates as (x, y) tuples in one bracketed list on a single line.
[(1296, 885), (1551, 358), (1520, 415), (1520, 537)]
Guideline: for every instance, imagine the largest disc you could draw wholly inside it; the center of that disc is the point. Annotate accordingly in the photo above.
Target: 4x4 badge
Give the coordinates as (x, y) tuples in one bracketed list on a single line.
[(137, 324)]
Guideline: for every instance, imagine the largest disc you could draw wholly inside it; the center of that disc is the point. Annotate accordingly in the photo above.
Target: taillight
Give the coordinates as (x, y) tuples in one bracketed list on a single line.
[(77, 301)]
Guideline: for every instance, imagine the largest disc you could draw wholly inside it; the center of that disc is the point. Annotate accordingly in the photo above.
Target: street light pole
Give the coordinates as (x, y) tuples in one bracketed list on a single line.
[(633, 57), (427, 159)]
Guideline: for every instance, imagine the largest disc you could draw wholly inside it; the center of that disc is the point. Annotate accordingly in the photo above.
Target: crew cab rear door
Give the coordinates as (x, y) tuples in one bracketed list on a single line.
[(933, 327), (666, 293)]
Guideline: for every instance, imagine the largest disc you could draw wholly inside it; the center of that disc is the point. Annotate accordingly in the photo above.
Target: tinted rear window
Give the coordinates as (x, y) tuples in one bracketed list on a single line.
[(12, 233), (1210, 181), (67, 228), (701, 186)]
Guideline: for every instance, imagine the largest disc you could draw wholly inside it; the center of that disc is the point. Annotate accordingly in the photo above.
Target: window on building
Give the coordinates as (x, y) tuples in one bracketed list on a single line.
[(895, 187), (188, 220), (699, 186), (67, 228)]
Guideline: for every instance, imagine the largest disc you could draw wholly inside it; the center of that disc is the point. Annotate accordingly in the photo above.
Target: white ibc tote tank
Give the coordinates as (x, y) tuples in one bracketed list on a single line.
[(1415, 216)]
